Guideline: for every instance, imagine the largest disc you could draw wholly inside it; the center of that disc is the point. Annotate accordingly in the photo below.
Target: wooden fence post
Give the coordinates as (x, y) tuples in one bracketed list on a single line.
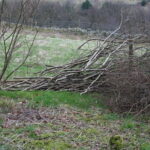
[(130, 54)]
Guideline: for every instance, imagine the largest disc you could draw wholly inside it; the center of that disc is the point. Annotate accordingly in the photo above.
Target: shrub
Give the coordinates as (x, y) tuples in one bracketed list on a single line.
[(130, 88), (143, 3), (86, 5)]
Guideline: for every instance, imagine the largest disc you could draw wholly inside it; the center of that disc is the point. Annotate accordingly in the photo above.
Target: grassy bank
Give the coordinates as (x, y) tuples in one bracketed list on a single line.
[(62, 120)]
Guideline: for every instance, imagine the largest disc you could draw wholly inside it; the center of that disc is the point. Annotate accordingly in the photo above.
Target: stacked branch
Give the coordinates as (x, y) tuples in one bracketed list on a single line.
[(114, 67), (78, 75), (83, 74)]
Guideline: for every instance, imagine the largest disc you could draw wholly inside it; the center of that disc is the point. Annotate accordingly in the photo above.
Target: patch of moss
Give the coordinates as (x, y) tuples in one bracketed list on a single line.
[(116, 142)]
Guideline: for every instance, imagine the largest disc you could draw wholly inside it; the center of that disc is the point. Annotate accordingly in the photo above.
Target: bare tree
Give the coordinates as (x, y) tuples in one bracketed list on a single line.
[(10, 35)]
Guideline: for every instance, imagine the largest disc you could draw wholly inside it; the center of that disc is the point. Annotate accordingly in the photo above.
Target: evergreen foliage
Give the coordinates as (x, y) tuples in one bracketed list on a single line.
[(143, 3), (86, 5)]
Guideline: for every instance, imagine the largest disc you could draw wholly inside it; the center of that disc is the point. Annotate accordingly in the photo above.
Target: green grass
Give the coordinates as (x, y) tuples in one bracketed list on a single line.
[(111, 116), (48, 49), (128, 124), (73, 122), (145, 146), (6, 105), (54, 98)]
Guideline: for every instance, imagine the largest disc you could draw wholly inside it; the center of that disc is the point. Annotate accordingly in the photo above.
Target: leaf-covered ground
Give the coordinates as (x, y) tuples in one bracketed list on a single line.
[(49, 121)]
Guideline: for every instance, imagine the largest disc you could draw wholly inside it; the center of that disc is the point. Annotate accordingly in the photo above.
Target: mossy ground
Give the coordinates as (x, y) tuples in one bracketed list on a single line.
[(62, 120)]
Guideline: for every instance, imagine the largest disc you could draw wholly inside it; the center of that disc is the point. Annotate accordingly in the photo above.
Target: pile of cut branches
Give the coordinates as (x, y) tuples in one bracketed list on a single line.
[(114, 66), (83, 74)]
